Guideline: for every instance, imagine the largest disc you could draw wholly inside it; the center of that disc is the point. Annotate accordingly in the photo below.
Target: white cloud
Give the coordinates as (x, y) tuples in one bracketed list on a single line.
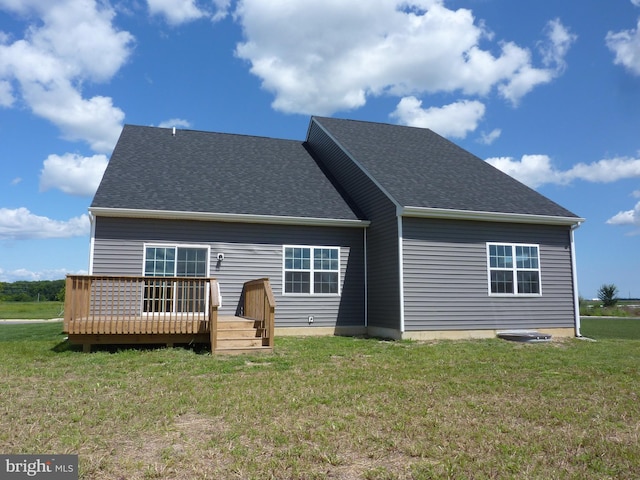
[(626, 47), (176, 12), (16, 181), (454, 120), (630, 217), (95, 120), (523, 81), (222, 9), (73, 174), (348, 51), (636, 2), (555, 48), (489, 138), (532, 170), (6, 94), (56, 56), (21, 224), (175, 122), (23, 274), (537, 170), (606, 171)]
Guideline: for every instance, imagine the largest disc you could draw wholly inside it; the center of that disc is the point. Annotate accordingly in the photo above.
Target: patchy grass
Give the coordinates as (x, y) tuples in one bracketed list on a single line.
[(30, 310), (326, 408)]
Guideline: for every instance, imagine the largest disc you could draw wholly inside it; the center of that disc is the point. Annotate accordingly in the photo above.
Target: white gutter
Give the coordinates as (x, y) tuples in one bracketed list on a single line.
[(225, 217), (576, 294), (422, 212)]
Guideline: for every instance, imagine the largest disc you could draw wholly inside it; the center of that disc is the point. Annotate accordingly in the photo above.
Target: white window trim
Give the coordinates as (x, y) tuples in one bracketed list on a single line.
[(176, 246), (514, 269), (312, 271)]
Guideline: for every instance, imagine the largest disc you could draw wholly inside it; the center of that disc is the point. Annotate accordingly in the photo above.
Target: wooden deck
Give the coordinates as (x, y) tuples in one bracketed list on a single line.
[(166, 310)]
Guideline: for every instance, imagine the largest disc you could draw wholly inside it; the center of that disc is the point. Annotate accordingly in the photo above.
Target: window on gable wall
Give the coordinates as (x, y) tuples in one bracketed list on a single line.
[(311, 270), (514, 269)]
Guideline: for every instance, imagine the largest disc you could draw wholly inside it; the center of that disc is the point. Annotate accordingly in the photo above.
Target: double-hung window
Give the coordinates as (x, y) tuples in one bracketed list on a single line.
[(175, 261), (514, 269), (312, 270)]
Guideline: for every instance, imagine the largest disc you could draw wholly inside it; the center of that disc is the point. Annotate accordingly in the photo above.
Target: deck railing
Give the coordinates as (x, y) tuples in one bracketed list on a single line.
[(139, 305), (214, 302), (259, 304)]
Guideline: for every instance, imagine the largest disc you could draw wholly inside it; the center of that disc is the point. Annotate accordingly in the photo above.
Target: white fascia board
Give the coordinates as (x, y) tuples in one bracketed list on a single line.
[(422, 212), (226, 217)]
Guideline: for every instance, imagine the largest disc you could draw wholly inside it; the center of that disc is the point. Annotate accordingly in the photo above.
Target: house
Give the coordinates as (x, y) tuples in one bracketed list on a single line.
[(363, 228)]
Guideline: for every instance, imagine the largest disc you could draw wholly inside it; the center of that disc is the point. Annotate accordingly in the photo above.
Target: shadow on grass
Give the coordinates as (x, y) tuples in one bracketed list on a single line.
[(67, 346)]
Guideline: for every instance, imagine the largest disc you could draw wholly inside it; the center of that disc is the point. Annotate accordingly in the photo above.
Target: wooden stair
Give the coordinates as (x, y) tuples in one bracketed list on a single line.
[(237, 335)]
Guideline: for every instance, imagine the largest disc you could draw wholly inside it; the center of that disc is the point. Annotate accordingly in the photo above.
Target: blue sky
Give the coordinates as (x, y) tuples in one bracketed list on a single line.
[(547, 91)]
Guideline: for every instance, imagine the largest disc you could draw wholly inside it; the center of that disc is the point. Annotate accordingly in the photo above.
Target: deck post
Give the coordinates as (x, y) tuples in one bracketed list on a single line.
[(214, 301), (68, 289)]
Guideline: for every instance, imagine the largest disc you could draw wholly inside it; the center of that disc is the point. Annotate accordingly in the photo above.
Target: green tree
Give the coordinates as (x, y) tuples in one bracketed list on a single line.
[(61, 293), (608, 295)]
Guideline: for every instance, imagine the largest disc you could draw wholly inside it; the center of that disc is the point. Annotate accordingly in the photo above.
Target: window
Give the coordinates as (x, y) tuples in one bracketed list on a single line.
[(514, 269), (311, 270), (174, 261)]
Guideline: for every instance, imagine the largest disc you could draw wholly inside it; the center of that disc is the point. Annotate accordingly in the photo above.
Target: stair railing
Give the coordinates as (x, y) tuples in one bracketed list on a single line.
[(260, 305), (214, 303)]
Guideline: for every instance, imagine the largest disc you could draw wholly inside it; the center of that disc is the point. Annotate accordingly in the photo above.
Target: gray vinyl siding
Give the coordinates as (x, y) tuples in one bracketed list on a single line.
[(383, 272), (250, 252), (446, 279)]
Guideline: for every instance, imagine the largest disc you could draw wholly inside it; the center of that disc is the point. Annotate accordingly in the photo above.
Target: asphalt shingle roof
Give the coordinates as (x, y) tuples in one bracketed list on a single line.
[(195, 171), (419, 168)]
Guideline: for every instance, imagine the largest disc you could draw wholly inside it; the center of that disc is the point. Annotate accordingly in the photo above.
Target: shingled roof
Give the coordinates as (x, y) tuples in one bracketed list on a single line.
[(201, 172), (418, 168), (158, 170)]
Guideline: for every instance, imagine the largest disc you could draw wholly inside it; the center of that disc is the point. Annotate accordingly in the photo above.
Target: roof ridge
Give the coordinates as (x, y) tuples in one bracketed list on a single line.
[(389, 124), (210, 132)]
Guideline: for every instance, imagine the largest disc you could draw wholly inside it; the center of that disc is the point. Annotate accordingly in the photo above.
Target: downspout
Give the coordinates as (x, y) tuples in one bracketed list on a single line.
[(401, 273), (576, 294), (366, 283), (92, 241)]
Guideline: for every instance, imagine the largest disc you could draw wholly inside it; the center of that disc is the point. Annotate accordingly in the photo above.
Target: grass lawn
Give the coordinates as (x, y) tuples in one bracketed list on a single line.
[(620, 328), (30, 310), (328, 408)]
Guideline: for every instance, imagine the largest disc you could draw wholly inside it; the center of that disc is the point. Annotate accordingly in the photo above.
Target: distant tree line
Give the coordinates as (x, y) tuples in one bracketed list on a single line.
[(23, 291)]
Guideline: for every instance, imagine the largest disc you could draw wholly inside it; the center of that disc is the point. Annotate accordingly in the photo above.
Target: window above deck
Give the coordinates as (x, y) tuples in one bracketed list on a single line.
[(175, 261)]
